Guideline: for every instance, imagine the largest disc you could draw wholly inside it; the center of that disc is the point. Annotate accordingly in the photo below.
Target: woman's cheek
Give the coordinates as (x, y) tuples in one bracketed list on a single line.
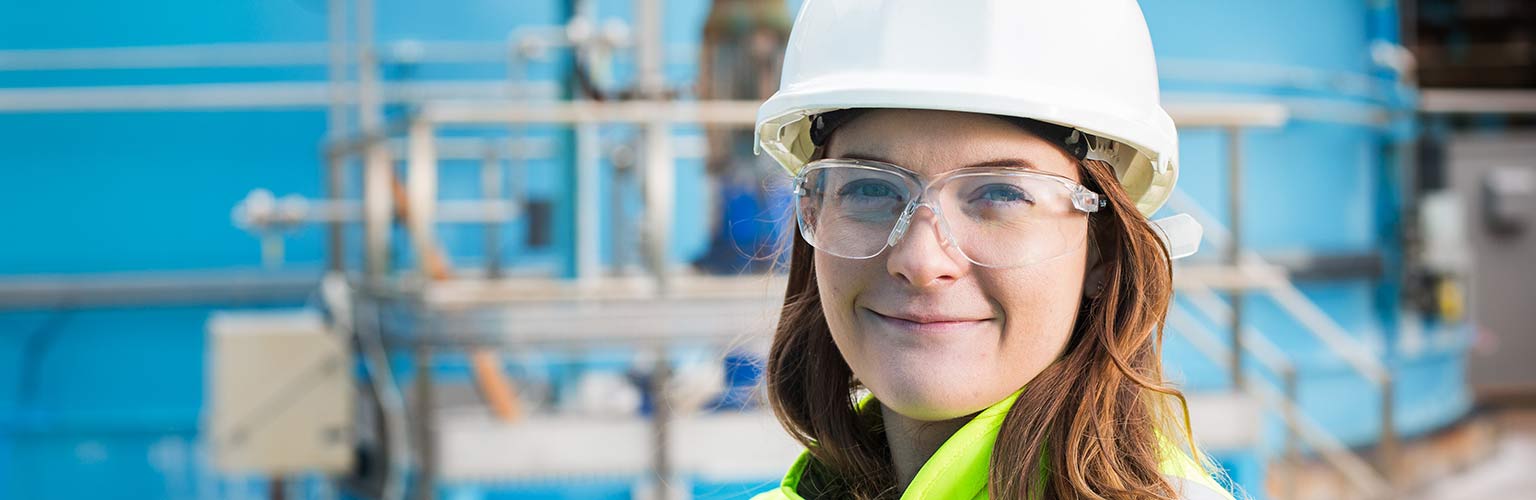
[(1038, 308), (837, 286)]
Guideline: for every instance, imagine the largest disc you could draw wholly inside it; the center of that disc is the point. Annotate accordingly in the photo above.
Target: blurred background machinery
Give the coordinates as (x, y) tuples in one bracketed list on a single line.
[(388, 249)]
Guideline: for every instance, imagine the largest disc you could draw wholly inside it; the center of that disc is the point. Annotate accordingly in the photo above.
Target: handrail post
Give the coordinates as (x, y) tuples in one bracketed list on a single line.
[(336, 72), (1386, 457), (1235, 246), (1292, 448), (490, 189), (335, 175)]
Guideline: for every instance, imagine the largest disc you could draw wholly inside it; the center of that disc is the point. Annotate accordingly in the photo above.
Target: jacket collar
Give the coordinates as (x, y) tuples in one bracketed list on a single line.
[(957, 470)]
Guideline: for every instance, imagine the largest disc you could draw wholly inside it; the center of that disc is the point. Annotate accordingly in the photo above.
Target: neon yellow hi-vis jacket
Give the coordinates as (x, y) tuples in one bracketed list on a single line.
[(959, 469)]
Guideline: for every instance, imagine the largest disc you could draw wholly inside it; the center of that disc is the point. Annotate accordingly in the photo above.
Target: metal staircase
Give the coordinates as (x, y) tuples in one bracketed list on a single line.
[(1199, 285)]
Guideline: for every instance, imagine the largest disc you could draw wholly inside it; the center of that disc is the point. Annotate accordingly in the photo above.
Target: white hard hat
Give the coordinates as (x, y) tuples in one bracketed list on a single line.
[(1084, 64)]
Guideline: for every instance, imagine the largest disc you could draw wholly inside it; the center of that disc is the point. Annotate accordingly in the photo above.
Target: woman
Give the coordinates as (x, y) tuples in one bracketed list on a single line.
[(975, 295)]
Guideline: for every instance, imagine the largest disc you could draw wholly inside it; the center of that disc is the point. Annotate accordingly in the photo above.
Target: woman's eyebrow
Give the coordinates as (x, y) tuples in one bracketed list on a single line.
[(1000, 162), (1004, 162)]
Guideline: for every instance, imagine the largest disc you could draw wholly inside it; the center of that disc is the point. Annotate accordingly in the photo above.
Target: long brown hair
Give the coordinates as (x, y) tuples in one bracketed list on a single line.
[(1086, 427)]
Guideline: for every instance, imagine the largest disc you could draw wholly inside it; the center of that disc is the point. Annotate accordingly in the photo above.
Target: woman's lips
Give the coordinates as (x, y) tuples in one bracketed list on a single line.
[(918, 324)]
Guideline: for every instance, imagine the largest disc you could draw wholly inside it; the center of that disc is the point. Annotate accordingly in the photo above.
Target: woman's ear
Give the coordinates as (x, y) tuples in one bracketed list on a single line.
[(1093, 278)]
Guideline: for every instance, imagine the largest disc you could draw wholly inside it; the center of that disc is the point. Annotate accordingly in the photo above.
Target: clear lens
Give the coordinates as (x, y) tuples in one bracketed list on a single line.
[(1008, 220), (848, 210), (997, 218)]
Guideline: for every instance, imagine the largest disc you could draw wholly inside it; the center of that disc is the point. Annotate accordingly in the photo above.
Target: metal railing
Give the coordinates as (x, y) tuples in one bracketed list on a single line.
[(1283, 401), (1247, 272), (1315, 322)]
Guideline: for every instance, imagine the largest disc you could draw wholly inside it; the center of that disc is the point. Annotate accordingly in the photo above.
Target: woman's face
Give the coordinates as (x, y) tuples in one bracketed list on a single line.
[(932, 335)]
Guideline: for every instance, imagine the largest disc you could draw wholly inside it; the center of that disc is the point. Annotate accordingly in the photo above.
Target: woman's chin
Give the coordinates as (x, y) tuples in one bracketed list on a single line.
[(935, 397)]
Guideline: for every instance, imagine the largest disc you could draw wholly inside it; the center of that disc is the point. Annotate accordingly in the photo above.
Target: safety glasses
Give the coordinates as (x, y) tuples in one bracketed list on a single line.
[(995, 216)]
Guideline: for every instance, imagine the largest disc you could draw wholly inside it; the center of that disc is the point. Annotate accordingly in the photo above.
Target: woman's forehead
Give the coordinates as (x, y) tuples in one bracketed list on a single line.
[(932, 142)]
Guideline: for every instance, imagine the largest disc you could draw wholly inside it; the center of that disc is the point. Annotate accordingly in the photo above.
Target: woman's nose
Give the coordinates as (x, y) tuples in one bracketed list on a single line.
[(922, 254)]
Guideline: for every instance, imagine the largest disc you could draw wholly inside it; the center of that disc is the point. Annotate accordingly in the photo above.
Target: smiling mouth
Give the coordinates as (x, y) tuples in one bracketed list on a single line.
[(941, 326)]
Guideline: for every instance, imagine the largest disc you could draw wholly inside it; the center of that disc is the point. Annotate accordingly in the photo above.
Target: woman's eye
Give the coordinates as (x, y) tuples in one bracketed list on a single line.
[(869, 189), (1002, 193)]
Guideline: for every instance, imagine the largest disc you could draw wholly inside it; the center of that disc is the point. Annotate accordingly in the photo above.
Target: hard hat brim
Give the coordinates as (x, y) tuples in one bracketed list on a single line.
[(783, 130)]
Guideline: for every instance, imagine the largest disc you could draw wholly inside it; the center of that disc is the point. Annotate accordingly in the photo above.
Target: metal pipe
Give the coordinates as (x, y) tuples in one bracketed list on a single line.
[(381, 379), (336, 67), (1235, 246), (290, 212), (474, 148), (1315, 109), (744, 112), (263, 95), (219, 55), (426, 425), (336, 34), (739, 112), (1387, 447), (336, 257), (1478, 101), (370, 106), (258, 54), (1292, 448), (621, 227), (160, 287), (588, 204), (659, 186), (661, 424), (1198, 114), (516, 183), (490, 189)]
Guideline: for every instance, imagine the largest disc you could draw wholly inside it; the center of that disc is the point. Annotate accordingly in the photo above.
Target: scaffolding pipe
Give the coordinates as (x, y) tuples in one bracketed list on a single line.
[(425, 431), (335, 175), (336, 71), (588, 204), (659, 187), (370, 106)]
